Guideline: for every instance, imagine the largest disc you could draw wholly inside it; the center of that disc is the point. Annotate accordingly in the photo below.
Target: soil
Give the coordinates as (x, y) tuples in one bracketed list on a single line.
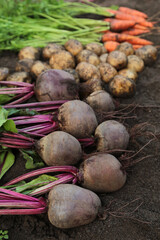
[(139, 199)]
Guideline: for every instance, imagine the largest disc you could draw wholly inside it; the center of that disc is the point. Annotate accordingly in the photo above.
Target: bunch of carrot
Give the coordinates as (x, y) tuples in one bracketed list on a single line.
[(126, 25)]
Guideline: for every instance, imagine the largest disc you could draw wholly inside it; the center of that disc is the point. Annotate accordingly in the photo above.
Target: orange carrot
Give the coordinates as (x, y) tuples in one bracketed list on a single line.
[(119, 25), (110, 45), (125, 16), (135, 32), (147, 24), (120, 37), (136, 46), (138, 26), (133, 12)]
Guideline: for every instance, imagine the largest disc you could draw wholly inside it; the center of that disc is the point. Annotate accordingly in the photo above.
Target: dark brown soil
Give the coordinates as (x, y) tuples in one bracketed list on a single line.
[(143, 184)]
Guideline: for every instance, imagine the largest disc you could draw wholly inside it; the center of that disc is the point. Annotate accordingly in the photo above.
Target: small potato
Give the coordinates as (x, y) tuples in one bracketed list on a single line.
[(107, 71), (148, 54), (87, 71), (100, 101), (126, 48), (94, 47), (19, 77), (89, 87), (29, 52), (135, 63), (73, 73), (117, 59), (24, 65), (121, 86), (73, 46), (4, 72), (103, 58), (50, 49), (88, 56), (38, 67), (62, 60), (72, 206), (128, 73), (104, 50)]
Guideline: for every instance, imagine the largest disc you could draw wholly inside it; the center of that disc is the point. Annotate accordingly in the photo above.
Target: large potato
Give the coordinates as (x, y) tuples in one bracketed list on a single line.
[(88, 56), (94, 47), (135, 63), (73, 46), (87, 71), (117, 59), (62, 60), (50, 49), (126, 48), (148, 54), (107, 71)]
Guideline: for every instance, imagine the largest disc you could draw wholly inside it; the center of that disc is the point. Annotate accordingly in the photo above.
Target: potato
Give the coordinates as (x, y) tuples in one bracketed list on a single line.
[(24, 65), (100, 101), (135, 63), (148, 54), (95, 48), (121, 86), (62, 60), (89, 87), (107, 71), (50, 49), (59, 148), (104, 50), (87, 71), (38, 67), (128, 73), (72, 206), (88, 56), (103, 58), (117, 59), (111, 135), (19, 77), (29, 52), (4, 72), (73, 46), (126, 48)]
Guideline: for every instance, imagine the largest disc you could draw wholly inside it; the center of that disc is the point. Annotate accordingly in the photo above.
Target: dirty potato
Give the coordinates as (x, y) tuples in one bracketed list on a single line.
[(128, 73), (87, 71), (117, 59), (86, 88), (121, 86), (62, 60), (73, 46), (29, 52), (135, 63), (50, 49), (19, 77), (126, 48), (103, 58), (4, 72), (88, 56), (38, 67), (94, 47), (24, 65), (148, 54), (107, 71)]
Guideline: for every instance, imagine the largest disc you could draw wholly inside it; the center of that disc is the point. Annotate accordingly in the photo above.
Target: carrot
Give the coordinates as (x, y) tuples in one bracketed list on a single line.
[(137, 46), (119, 25), (133, 12), (125, 16), (111, 45), (135, 32), (138, 26), (147, 24), (120, 37)]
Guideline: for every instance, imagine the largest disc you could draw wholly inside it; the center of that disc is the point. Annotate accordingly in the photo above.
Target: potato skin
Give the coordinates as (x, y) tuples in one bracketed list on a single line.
[(135, 63), (122, 87), (88, 56), (38, 67), (111, 135), (126, 48), (117, 59), (107, 71), (4, 72), (128, 73), (101, 101), (62, 60), (29, 52), (19, 77), (72, 206), (50, 49), (102, 173), (73, 46), (148, 54), (77, 118), (87, 71), (94, 47), (24, 65), (59, 148), (103, 58)]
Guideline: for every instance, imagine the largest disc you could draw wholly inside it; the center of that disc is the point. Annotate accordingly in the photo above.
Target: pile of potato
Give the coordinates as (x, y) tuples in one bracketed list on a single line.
[(93, 68)]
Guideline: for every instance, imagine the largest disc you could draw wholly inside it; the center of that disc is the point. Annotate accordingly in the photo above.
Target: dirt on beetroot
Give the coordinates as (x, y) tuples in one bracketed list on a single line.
[(132, 212)]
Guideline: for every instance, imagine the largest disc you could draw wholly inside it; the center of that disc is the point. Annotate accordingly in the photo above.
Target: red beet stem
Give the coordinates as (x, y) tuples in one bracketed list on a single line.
[(23, 211), (19, 204), (23, 84), (22, 99), (18, 136), (86, 141), (69, 169)]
